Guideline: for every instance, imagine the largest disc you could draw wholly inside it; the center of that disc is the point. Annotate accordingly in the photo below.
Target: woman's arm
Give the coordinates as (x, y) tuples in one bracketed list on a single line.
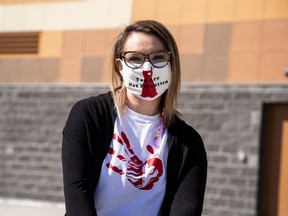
[(188, 200), (77, 165)]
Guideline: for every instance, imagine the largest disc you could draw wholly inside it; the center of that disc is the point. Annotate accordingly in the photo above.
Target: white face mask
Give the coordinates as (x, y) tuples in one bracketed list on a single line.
[(146, 82)]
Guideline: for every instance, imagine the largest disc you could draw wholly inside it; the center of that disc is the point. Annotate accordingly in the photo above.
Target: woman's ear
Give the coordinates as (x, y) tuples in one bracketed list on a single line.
[(119, 65)]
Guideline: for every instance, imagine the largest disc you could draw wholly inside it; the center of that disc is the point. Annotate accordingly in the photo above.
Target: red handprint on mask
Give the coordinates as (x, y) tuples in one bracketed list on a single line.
[(142, 175), (148, 88)]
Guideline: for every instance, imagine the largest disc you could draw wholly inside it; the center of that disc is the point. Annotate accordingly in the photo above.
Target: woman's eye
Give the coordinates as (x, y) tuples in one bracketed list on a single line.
[(158, 58), (134, 59)]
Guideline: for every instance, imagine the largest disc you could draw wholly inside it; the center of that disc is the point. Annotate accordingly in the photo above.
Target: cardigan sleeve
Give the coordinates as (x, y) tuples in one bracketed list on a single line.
[(189, 196), (76, 162)]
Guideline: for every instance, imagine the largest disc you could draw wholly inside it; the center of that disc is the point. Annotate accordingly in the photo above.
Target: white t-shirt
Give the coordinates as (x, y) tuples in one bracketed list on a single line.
[(133, 174)]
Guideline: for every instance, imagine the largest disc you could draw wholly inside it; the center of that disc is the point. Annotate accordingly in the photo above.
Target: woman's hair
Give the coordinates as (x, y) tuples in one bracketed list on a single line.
[(169, 98)]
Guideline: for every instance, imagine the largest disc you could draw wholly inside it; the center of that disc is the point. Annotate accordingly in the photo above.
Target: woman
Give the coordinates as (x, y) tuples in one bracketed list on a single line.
[(127, 152)]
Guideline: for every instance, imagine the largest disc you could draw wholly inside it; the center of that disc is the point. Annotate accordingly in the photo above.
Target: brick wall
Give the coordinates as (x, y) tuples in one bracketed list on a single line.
[(227, 116), (229, 119)]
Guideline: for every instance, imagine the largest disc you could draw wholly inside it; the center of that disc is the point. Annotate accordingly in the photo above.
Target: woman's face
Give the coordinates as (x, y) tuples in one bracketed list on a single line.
[(145, 80)]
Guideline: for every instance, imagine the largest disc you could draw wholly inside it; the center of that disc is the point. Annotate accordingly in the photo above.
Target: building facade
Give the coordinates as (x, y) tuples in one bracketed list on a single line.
[(64, 41), (234, 59)]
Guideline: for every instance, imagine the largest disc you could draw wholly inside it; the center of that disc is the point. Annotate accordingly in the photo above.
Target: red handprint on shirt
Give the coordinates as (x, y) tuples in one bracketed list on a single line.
[(141, 174)]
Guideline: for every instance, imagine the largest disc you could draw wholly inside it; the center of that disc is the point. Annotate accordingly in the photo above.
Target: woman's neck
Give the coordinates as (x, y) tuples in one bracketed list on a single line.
[(142, 106)]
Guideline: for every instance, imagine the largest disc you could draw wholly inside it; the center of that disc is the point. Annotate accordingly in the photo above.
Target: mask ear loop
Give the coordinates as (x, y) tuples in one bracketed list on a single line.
[(121, 73), (120, 70)]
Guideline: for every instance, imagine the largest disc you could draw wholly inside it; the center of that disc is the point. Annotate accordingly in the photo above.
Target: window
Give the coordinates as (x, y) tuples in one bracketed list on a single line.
[(19, 43)]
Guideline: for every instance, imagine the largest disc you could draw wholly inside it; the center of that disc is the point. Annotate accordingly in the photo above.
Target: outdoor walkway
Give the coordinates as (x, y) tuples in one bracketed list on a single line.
[(15, 207)]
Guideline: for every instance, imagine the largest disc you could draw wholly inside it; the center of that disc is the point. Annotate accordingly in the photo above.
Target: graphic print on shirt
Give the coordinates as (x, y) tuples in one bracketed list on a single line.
[(143, 175), (148, 88)]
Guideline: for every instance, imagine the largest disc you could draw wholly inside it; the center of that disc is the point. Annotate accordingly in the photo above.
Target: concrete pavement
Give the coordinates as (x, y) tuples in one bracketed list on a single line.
[(18, 207)]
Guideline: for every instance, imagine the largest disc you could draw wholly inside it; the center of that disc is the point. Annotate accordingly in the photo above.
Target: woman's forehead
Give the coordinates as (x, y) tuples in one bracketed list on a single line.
[(138, 41)]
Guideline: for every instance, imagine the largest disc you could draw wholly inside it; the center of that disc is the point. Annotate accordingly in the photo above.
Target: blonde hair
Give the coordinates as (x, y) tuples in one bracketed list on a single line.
[(169, 98)]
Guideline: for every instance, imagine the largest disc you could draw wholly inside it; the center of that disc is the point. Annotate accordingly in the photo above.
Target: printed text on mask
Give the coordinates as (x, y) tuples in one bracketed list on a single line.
[(141, 80)]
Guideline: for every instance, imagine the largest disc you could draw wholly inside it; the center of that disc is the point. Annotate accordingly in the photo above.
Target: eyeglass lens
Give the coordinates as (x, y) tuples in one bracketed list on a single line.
[(136, 59)]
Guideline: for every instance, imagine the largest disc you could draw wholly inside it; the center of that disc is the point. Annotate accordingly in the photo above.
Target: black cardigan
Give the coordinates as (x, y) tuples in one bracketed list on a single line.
[(86, 138)]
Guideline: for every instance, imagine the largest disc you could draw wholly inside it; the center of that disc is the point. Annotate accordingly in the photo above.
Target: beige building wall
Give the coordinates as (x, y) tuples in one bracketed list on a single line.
[(233, 41)]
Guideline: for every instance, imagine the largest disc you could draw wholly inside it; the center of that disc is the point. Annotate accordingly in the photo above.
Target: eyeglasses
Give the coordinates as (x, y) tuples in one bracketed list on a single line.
[(134, 59)]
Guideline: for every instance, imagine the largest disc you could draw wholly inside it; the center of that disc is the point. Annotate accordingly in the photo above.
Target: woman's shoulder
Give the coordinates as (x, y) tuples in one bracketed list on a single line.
[(94, 110), (185, 133), (101, 98), (180, 127)]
